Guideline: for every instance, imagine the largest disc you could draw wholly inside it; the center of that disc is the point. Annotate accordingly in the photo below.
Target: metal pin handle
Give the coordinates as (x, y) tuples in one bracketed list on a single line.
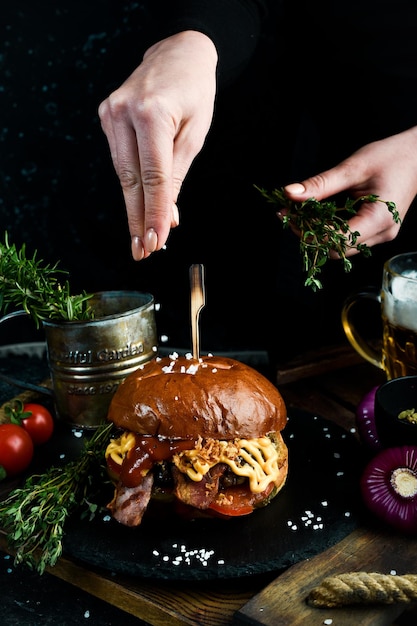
[(198, 300)]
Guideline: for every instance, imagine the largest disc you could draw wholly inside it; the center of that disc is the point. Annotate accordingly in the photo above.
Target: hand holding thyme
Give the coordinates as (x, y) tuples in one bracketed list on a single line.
[(33, 516), (323, 228), (32, 285)]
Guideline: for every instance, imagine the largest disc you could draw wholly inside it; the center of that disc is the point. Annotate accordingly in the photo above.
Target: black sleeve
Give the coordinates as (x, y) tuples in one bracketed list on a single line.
[(234, 26)]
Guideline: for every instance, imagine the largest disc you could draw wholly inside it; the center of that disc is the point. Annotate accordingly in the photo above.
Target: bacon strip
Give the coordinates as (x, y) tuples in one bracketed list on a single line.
[(129, 503), (198, 494)]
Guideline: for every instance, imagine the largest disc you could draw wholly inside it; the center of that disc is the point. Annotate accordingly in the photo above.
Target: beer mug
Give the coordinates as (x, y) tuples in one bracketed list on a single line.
[(396, 353)]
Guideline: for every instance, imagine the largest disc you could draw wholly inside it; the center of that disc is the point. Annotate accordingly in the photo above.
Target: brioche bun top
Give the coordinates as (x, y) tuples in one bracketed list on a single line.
[(212, 397)]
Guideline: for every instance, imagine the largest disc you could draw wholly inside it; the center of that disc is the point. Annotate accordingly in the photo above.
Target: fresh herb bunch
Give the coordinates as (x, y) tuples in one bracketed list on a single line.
[(33, 516), (323, 228), (30, 284)]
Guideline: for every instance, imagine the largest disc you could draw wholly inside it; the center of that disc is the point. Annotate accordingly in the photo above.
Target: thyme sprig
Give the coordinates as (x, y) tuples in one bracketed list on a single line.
[(34, 286), (323, 228), (33, 516)]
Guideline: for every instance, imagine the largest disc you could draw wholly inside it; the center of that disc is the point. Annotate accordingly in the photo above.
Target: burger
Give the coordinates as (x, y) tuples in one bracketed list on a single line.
[(204, 434)]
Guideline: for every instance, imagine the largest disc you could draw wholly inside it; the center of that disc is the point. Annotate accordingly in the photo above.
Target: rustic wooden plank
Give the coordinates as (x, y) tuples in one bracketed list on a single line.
[(317, 363), (304, 395), (159, 603), (283, 602), (334, 395), (350, 384)]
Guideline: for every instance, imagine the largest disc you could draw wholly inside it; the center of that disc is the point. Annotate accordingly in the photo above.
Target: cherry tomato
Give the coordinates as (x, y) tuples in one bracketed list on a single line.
[(34, 418), (40, 424), (16, 449)]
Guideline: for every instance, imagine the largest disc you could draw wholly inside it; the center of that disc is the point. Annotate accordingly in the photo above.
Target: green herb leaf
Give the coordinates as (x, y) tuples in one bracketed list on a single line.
[(30, 284), (33, 516), (323, 228)]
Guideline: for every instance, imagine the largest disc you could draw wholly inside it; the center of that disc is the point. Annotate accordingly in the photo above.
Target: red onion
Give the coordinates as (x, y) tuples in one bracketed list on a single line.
[(365, 421), (389, 487)]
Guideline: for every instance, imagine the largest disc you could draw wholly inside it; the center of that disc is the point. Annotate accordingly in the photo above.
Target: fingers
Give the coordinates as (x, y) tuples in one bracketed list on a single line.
[(156, 123), (329, 183), (144, 169), (373, 223)]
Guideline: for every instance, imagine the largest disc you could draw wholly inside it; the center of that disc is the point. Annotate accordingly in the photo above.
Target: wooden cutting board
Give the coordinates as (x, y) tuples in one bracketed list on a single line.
[(284, 600)]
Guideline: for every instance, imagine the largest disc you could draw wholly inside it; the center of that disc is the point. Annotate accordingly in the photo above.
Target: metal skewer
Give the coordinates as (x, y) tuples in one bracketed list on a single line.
[(197, 303)]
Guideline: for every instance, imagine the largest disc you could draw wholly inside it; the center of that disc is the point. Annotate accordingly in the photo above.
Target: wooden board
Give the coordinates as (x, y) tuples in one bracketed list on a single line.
[(284, 600)]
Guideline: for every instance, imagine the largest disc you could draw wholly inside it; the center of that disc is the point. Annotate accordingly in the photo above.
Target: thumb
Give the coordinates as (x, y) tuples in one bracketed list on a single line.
[(324, 185)]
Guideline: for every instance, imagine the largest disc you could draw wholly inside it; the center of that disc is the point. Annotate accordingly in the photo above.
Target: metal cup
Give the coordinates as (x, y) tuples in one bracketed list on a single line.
[(89, 359)]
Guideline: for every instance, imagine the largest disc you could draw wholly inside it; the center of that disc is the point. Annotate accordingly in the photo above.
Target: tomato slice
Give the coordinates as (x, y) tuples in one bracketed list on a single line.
[(233, 510), (239, 500), (234, 501)]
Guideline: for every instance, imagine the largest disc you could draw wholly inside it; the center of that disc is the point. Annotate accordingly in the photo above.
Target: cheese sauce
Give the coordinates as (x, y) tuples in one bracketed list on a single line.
[(255, 459)]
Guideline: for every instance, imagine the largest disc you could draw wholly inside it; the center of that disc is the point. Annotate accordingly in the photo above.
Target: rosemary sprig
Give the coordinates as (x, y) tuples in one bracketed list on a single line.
[(322, 227), (28, 283), (33, 516)]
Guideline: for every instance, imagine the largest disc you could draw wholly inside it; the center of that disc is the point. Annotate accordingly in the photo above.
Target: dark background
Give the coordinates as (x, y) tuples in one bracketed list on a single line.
[(274, 124)]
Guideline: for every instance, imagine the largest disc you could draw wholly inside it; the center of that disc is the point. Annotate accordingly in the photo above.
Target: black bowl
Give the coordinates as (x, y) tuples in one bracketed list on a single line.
[(391, 398)]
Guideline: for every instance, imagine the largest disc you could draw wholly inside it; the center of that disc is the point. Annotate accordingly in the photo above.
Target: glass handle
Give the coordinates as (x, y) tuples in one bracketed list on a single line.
[(363, 347)]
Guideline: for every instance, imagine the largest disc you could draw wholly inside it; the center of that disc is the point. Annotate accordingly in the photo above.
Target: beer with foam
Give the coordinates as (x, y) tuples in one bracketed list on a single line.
[(399, 317), (397, 352)]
